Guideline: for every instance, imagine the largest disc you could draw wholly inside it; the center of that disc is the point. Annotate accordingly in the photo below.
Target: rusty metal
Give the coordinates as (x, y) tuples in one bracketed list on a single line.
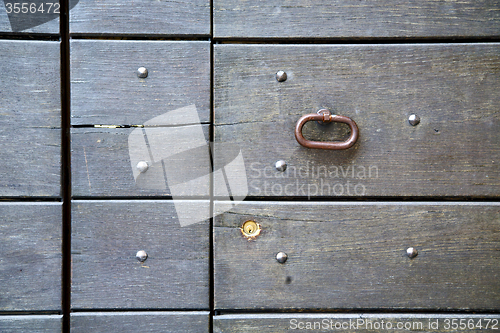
[(324, 116)]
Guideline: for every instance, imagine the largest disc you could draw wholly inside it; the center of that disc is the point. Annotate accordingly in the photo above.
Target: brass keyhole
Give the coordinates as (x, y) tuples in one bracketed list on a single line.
[(250, 229)]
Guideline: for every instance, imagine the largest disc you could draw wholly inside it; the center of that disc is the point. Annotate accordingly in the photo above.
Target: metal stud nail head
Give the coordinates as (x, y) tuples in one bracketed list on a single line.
[(280, 165), (142, 166), (414, 120), (281, 76), (281, 257), (411, 252), (141, 255), (142, 72)]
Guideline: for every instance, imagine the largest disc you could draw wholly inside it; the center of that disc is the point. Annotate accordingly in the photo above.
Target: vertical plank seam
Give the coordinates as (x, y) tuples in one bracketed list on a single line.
[(65, 165), (211, 148)]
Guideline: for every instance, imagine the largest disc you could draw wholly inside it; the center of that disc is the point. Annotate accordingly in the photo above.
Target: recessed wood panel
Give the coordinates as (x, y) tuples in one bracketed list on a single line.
[(30, 256), (353, 255), (453, 88), (146, 322), (106, 88), (367, 18), (355, 322), (30, 119), (104, 162), (31, 324), (141, 17), (106, 236)]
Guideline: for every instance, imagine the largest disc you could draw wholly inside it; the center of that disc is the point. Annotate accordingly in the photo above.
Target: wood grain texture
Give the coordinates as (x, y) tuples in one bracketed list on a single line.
[(105, 88), (356, 322), (164, 17), (31, 324), (30, 118), (454, 151), (106, 235), (101, 165), (50, 27), (30, 256), (349, 255), (146, 322), (367, 18)]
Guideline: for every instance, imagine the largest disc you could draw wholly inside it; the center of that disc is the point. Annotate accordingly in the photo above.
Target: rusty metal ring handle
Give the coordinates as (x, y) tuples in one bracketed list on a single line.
[(325, 116)]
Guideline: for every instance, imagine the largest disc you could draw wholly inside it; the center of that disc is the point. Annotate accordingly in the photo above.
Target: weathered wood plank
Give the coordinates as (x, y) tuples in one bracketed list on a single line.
[(106, 235), (356, 322), (454, 151), (147, 322), (25, 22), (105, 87), (140, 17), (345, 18), (30, 256), (353, 256), (31, 324), (30, 118), (101, 162)]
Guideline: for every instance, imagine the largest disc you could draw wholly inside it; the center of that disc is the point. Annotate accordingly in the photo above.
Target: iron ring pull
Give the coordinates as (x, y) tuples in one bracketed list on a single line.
[(324, 116)]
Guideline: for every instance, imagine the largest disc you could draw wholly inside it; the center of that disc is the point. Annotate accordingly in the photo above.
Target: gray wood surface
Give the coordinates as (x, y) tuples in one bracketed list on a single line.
[(352, 255), (356, 322), (105, 88), (30, 118), (144, 322), (106, 235), (31, 324), (141, 17), (38, 23), (453, 88), (101, 163), (30, 256), (345, 18)]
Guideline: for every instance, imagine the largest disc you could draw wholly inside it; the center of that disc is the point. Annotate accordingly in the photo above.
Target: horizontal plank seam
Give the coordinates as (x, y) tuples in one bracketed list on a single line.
[(295, 199), (82, 312), (152, 37), (30, 36), (44, 313), (108, 126), (30, 200), (358, 40), (380, 311)]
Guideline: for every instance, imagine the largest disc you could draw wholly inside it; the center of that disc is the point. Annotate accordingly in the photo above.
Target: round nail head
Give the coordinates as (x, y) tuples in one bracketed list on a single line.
[(142, 166), (411, 252), (141, 255), (281, 76), (142, 72), (280, 165), (281, 257), (414, 120)]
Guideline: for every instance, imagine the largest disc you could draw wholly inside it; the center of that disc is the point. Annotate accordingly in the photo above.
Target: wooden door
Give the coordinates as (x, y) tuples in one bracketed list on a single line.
[(152, 180)]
